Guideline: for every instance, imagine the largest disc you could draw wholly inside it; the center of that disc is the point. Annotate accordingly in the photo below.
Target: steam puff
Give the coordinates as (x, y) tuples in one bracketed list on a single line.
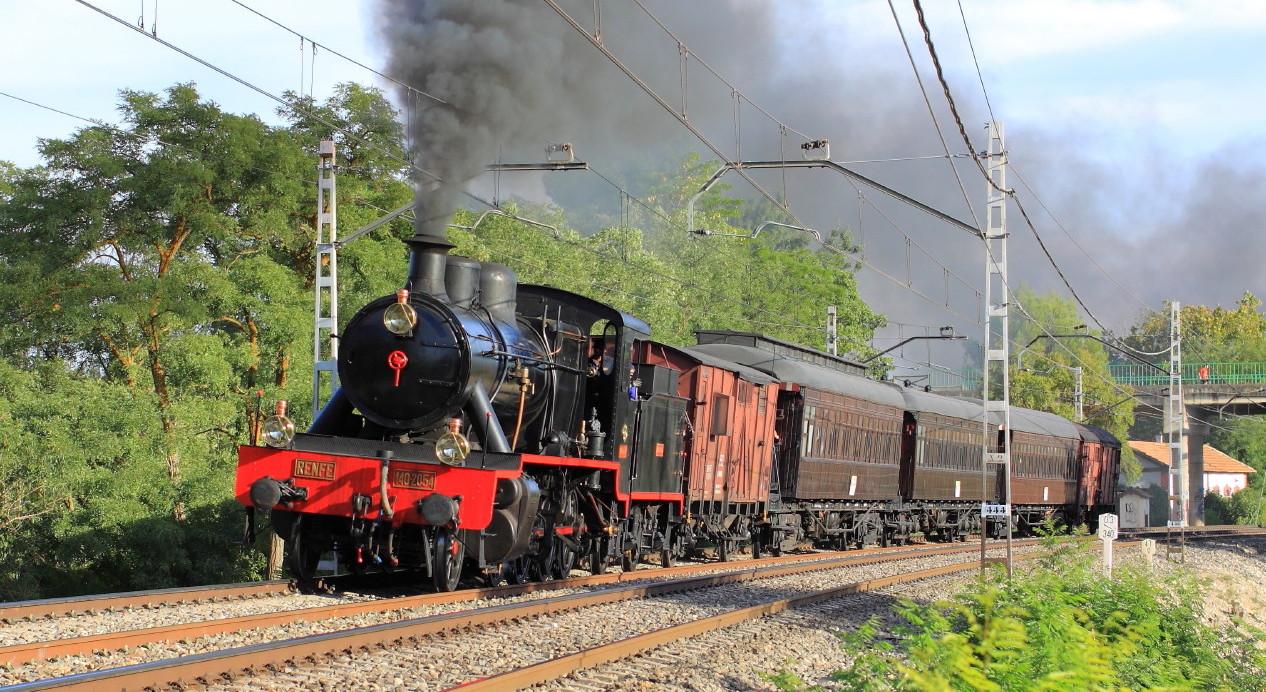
[(509, 72)]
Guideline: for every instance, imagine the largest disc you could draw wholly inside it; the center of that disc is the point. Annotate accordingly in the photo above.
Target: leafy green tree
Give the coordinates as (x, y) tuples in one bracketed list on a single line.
[(1042, 376), (156, 284), (155, 279), (1209, 334)]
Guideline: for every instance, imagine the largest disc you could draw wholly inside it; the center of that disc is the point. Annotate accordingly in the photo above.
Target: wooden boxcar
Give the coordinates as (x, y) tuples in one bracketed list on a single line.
[(839, 435), (1100, 460), (728, 453)]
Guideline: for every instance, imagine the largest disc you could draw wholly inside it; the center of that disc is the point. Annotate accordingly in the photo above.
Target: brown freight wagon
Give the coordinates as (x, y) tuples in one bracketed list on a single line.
[(731, 426), (1099, 461)]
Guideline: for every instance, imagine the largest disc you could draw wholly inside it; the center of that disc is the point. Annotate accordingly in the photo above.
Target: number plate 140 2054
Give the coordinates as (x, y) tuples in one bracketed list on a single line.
[(413, 478)]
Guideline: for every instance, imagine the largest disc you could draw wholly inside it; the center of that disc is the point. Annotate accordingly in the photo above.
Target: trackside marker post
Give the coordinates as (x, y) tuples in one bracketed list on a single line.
[(1108, 524)]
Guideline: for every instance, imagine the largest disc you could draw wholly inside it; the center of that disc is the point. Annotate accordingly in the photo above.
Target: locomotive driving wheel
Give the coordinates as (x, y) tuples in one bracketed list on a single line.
[(446, 560), (631, 553), (597, 554), (567, 548), (305, 552), (515, 571)]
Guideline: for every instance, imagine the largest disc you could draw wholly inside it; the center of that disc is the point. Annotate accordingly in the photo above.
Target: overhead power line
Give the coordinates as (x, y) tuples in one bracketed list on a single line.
[(680, 116), (1090, 256), (300, 109), (949, 98), (327, 49), (980, 75), (682, 119), (936, 125)]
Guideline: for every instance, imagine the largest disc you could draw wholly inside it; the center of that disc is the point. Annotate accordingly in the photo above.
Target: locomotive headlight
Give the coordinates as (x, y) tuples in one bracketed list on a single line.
[(400, 318), (452, 447), (278, 429)]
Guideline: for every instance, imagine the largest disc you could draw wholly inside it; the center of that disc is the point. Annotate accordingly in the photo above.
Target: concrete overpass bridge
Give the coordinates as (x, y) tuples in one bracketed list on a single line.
[(1219, 390)]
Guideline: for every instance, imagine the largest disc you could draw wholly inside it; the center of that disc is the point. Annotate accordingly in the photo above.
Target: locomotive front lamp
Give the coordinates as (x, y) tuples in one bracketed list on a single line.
[(400, 318), (452, 447), (279, 430)]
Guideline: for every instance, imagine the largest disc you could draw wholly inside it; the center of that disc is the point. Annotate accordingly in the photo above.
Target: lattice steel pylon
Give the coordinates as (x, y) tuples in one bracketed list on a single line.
[(325, 286), (1179, 492), (997, 342)]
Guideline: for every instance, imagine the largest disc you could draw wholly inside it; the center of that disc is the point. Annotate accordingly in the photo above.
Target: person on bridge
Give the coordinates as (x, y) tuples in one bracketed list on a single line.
[(1204, 374)]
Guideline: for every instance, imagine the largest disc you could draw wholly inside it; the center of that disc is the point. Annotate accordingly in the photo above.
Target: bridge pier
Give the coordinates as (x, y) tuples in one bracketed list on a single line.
[(1197, 433)]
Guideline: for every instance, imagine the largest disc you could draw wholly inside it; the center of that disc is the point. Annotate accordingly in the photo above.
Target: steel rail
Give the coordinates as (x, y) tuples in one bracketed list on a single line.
[(16, 654), (212, 665), (69, 605), (561, 667), (558, 668)]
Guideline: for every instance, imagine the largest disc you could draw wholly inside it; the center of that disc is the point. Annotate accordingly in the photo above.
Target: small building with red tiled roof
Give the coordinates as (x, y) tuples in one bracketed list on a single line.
[(1222, 474)]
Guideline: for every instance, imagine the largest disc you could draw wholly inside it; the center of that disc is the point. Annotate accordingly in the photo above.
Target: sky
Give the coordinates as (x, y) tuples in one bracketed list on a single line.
[(1119, 110), (1184, 75)]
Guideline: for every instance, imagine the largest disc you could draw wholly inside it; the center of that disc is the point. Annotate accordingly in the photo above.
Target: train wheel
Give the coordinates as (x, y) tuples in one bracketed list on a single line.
[(515, 571), (305, 553), (446, 561), (564, 560), (666, 548), (597, 555)]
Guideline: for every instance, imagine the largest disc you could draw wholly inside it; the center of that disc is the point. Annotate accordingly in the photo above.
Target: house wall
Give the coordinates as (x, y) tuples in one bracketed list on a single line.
[(1135, 510), (1225, 484)]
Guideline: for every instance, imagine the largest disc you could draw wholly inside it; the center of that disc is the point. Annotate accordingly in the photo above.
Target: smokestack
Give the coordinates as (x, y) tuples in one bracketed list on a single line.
[(428, 248)]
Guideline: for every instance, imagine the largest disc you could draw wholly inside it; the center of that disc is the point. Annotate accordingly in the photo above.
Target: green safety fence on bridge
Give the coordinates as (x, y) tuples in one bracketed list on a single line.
[(1140, 375)]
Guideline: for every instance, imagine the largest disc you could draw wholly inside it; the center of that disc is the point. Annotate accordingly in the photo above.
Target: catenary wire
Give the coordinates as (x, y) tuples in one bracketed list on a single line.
[(1090, 256), (327, 49), (936, 125), (980, 75), (949, 98), (299, 108)]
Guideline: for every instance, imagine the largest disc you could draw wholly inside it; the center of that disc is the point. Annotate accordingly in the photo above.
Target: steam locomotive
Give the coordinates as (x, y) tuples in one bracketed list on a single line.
[(514, 432)]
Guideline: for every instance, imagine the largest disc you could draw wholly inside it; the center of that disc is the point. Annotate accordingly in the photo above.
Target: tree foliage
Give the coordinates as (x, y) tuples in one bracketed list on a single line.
[(156, 286), (1042, 377), (1209, 334)]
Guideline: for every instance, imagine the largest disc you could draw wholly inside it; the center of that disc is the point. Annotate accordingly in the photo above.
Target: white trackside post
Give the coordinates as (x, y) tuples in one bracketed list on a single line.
[(1108, 524)]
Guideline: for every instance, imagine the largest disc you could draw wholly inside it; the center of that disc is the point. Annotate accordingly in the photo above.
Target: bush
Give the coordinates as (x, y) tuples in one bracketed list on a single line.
[(1244, 507), (1059, 626)]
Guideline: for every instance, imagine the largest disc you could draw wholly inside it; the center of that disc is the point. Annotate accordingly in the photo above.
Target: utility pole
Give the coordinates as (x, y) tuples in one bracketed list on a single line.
[(325, 323), (1179, 493), (832, 344), (1079, 396), (996, 345)]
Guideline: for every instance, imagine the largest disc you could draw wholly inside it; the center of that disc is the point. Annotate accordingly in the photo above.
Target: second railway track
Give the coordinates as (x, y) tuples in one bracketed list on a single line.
[(335, 628), (212, 651)]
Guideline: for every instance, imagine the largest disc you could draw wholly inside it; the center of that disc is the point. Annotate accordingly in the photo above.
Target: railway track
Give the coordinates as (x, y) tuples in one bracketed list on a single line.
[(446, 615), (53, 607)]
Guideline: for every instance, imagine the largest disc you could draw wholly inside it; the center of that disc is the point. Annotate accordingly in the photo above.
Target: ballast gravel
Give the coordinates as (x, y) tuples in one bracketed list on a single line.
[(88, 624), (806, 642), (444, 661), (66, 627)]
